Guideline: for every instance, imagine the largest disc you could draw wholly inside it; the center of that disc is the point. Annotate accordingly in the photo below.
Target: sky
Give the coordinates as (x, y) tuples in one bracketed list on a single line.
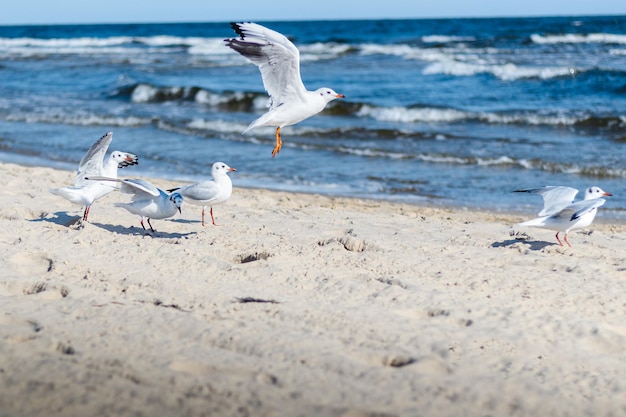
[(161, 11)]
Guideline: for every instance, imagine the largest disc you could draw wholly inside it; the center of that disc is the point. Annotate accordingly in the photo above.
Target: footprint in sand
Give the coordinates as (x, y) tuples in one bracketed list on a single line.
[(30, 264), (18, 330)]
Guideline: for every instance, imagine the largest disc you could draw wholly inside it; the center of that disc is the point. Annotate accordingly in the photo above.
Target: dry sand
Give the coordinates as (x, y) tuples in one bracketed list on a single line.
[(301, 305)]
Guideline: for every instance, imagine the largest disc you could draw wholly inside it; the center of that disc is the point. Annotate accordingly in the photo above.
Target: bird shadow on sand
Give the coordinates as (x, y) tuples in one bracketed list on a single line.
[(136, 231), (185, 221), (535, 245), (60, 217), (76, 222)]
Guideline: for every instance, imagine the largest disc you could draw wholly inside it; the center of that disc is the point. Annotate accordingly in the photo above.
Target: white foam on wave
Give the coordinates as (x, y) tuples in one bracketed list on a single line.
[(505, 72), (529, 118), (117, 51), (579, 38), (447, 39), (215, 125), (143, 93), (402, 50), (372, 153), (502, 160), (80, 119), (442, 115), (321, 51), (113, 45), (409, 115), (464, 61), (64, 42), (212, 99)]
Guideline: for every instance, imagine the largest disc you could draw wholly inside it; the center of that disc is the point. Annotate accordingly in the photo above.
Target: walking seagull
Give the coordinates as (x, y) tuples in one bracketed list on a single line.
[(560, 213), (209, 193)]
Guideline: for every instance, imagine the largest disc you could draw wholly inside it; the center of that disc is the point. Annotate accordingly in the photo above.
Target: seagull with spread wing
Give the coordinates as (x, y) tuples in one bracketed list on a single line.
[(560, 213), (278, 60), (147, 201), (84, 192)]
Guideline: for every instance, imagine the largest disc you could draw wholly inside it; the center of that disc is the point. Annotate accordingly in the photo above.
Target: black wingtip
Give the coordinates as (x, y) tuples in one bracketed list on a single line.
[(235, 26)]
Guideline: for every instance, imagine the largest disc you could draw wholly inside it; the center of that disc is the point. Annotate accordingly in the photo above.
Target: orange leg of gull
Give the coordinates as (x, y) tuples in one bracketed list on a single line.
[(564, 238), (212, 218), (557, 239), (203, 215), (279, 143), (567, 241)]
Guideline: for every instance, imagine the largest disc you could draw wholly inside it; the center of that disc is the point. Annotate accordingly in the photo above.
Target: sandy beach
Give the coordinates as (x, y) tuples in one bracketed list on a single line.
[(303, 305)]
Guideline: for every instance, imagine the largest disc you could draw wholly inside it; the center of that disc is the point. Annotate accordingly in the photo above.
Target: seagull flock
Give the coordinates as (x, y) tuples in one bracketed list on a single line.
[(278, 60)]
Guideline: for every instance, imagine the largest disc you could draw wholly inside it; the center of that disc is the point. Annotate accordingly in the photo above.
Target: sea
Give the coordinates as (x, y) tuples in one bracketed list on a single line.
[(440, 112)]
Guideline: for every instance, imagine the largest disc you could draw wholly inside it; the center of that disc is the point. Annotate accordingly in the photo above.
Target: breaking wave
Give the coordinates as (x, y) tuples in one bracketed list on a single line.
[(608, 38)]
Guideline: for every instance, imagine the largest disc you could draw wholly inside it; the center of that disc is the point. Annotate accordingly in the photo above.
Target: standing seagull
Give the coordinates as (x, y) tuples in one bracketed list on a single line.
[(560, 213), (147, 201), (278, 60), (209, 193), (93, 163)]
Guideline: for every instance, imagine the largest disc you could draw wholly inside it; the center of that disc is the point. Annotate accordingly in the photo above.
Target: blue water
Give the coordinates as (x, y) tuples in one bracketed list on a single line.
[(455, 112)]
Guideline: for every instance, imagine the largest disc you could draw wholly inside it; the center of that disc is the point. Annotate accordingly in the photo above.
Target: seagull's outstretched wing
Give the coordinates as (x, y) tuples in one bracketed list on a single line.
[(276, 56), (137, 187), (555, 198), (580, 208), (92, 162)]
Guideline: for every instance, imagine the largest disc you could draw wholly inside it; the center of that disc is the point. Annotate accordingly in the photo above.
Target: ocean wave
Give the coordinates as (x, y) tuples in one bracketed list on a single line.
[(227, 101), (447, 39), (465, 61), (249, 101), (79, 119), (114, 45), (591, 171), (609, 38), (449, 115), (505, 72), (158, 44), (413, 115), (256, 102), (323, 50), (64, 42)]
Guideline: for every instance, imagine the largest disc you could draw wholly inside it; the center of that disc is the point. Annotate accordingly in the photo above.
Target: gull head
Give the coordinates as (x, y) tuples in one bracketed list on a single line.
[(124, 159), (220, 168), (596, 192), (328, 94), (177, 199)]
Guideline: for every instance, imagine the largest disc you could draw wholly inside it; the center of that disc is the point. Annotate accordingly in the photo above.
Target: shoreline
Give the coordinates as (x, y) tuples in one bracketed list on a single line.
[(301, 304), (604, 216)]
